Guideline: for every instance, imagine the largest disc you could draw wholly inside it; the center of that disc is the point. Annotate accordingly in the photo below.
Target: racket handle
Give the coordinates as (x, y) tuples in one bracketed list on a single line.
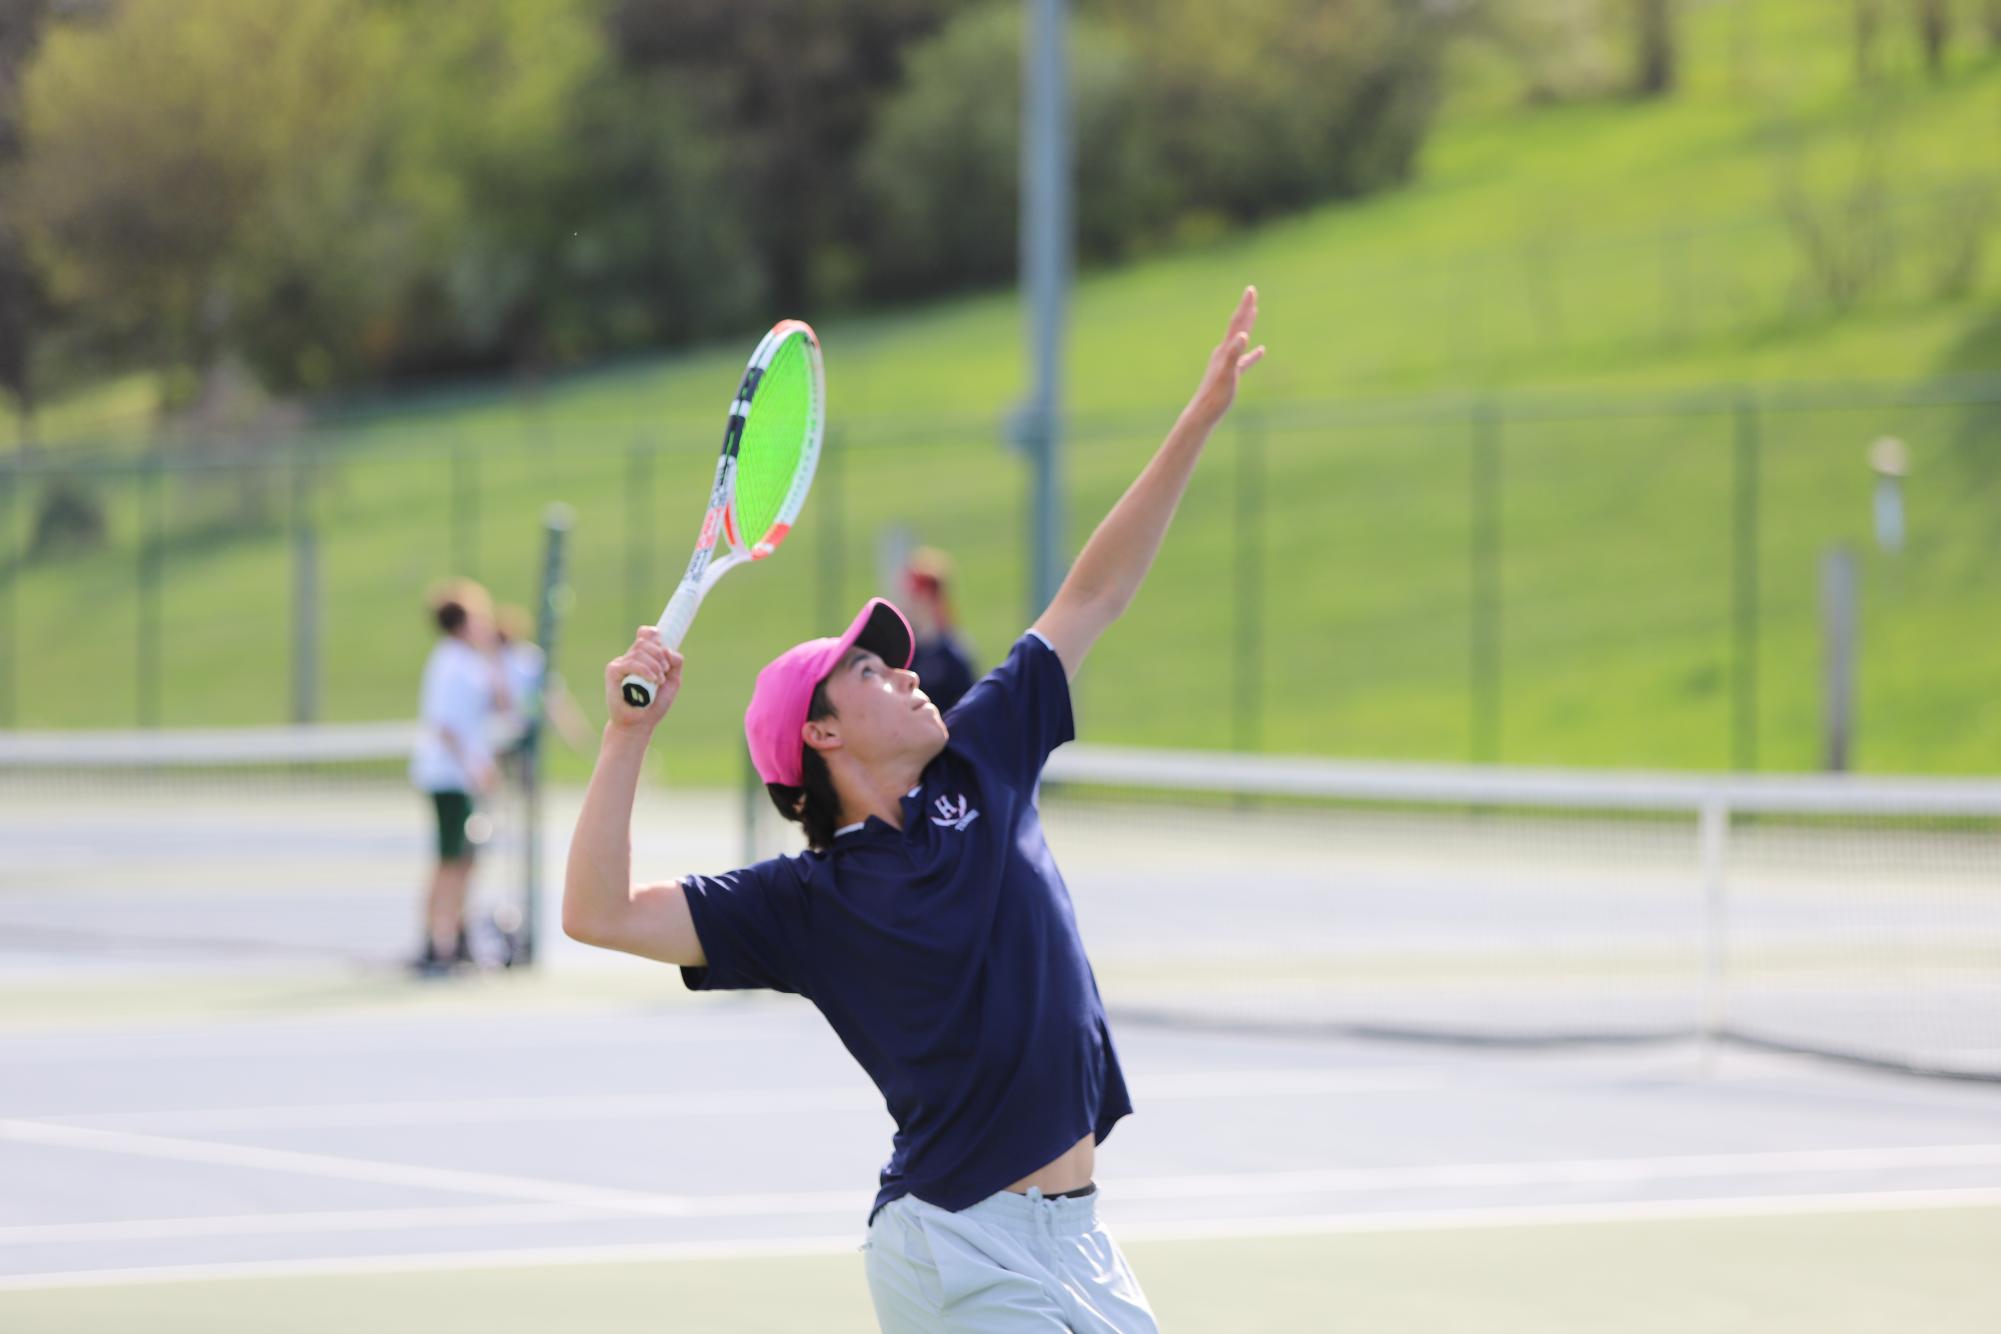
[(680, 613), (673, 626)]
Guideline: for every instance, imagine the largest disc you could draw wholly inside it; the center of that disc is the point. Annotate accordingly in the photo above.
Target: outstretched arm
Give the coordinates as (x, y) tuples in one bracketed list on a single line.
[(1108, 572), (601, 905)]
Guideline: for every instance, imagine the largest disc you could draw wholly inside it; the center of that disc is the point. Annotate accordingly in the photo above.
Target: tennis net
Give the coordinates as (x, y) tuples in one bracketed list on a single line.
[(254, 847), (1844, 917)]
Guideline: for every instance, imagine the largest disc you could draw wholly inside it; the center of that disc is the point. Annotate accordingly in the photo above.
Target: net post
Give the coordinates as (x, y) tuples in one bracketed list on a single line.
[(556, 521), (1713, 841)]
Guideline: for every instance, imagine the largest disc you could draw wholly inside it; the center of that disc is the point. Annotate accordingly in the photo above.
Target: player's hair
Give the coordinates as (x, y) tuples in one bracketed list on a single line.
[(513, 623), (455, 601), (813, 805)]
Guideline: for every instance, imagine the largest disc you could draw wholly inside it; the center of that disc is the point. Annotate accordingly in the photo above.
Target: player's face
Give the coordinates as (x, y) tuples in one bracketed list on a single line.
[(882, 711)]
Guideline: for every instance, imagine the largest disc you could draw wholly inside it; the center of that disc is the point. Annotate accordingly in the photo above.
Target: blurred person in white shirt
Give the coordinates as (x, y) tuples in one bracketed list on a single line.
[(464, 694)]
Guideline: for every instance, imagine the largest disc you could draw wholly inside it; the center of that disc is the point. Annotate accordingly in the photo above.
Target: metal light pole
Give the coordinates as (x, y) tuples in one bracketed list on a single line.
[(1045, 281)]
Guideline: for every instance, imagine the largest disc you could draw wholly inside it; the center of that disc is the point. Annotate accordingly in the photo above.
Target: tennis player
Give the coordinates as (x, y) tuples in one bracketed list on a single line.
[(927, 922)]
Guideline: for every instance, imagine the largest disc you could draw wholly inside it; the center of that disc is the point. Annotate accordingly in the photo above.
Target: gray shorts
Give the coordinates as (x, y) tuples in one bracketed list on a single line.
[(1010, 1262)]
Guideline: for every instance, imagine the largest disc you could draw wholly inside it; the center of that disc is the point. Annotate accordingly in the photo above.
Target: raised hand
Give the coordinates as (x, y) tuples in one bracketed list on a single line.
[(1232, 357), (655, 662)]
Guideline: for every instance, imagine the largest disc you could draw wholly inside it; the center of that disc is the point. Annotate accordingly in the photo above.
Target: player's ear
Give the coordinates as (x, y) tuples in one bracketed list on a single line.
[(822, 734)]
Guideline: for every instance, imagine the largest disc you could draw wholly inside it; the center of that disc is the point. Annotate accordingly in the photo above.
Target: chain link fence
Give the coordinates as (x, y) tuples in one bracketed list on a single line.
[(1604, 580)]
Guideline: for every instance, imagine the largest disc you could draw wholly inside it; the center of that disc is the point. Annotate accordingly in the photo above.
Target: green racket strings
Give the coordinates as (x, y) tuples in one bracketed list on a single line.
[(774, 438)]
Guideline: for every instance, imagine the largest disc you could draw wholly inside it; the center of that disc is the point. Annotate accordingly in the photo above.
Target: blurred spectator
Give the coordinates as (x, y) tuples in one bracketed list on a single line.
[(534, 693), (464, 691), (944, 667)]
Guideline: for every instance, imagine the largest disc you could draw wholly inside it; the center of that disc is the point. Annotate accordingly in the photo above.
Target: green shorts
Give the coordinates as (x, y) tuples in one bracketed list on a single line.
[(454, 810)]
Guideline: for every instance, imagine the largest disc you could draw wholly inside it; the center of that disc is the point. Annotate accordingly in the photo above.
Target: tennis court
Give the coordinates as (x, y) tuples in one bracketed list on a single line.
[(225, 1108)]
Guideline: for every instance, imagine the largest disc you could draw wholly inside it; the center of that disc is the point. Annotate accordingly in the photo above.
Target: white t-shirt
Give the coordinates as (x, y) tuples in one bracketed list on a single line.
[(458, 697)]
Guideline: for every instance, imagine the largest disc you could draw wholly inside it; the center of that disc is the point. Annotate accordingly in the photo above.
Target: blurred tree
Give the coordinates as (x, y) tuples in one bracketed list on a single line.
[(345, 188), (569, 207), (1934, 22), (787, 89), (20, 295), (941, 173), (1266, 106), (1868, 32), (160, 139), (1990, 15), (1656, 47), (1562, 50)]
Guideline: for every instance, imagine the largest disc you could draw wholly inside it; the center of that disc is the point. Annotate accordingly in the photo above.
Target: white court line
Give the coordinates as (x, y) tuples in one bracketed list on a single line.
[(589, 1201), (357, 1034), (1588, 1171), (430, 1178), (733, 1102), (484, 1111), (1220, 1229), (331, 1220)]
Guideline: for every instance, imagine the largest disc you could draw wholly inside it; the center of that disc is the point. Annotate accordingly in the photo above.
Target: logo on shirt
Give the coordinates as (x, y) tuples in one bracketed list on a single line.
[(953, 813)]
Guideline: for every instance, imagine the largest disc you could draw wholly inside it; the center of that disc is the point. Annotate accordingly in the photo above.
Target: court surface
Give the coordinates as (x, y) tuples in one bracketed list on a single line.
[(201, 1138)]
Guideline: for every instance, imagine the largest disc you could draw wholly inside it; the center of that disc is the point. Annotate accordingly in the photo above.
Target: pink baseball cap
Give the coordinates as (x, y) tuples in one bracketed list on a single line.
[(785, 687)]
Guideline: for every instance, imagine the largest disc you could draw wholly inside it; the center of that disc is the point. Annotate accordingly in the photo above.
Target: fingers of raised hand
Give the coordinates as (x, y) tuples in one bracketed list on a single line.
[(1245, 315), (1250, 359), (647, 657)]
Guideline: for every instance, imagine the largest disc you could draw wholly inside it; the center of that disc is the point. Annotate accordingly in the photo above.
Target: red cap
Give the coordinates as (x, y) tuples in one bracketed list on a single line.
[(785, 687)]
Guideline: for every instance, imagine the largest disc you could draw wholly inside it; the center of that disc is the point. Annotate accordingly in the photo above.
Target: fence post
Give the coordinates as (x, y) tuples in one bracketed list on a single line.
[(1485, 584), (641, 588), (152, 554), (753, 794), (465, 510), (1247, 700), (305, 590), (1744, 588), (1713, 838), (1838, 634), (833, 537), (1675, 277), (12, 551)]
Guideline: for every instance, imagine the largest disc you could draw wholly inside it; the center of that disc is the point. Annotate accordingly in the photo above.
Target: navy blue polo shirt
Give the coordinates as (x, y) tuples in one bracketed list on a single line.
[(945, 954)]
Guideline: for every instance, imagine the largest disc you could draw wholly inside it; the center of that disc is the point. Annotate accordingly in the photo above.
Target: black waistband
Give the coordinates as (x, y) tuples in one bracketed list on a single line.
[(1079, 1193)]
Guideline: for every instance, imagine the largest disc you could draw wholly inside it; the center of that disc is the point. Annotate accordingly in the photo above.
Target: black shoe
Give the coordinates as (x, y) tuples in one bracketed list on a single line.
[(428, 964)]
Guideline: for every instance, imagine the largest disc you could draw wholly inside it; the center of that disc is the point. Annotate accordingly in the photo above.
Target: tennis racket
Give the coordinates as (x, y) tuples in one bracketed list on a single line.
[(770, 448)]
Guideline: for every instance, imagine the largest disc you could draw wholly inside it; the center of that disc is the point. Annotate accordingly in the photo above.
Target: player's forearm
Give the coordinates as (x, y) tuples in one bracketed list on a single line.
[(1113, 564), (597, 884)]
